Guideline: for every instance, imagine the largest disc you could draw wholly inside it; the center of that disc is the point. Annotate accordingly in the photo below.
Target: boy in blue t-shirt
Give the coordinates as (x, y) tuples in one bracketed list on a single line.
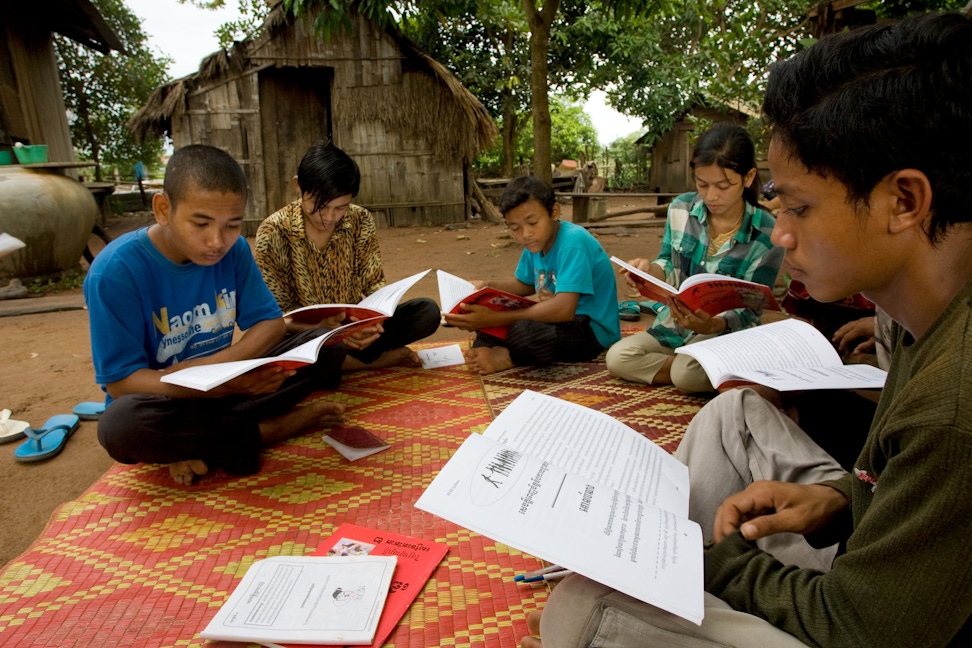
[(576, 316), (169, 296)]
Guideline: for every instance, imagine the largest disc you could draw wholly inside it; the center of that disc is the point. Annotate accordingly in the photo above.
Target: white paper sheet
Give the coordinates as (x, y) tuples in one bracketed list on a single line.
[(445, 356)]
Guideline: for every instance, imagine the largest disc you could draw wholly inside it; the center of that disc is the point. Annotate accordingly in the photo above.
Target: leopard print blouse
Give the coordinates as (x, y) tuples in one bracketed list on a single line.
[(299, 273)]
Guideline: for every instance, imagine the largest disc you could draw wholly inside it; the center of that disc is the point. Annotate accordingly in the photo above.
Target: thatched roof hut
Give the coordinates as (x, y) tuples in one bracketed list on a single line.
[(406, 120), (671, 152)]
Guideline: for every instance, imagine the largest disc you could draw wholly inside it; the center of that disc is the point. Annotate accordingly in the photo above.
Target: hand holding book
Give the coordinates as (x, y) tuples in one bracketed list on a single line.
[(711, 293)]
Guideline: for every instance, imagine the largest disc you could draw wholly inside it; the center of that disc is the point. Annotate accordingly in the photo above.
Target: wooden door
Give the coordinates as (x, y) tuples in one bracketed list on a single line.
[(295, 112)]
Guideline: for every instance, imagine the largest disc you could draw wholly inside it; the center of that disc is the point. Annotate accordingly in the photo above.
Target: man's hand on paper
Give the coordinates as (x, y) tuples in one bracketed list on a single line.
[(698, 321), (768, 507)]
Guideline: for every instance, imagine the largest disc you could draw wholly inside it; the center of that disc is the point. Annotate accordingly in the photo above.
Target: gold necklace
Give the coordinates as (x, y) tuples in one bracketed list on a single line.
[(716, 241)]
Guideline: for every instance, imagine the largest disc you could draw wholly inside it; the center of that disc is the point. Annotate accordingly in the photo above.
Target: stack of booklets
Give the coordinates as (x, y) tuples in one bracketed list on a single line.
[(352, 591), (582, 490)]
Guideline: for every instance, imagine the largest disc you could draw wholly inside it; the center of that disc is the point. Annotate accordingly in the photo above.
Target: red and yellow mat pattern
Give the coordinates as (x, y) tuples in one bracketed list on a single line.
[(140, 561)]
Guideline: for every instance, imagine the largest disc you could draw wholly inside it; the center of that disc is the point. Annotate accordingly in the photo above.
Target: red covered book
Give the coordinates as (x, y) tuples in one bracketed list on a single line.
[(417, 559), (712, 293)]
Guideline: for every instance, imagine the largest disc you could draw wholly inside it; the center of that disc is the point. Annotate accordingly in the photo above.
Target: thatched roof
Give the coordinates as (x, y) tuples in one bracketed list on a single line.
[(412, 109)]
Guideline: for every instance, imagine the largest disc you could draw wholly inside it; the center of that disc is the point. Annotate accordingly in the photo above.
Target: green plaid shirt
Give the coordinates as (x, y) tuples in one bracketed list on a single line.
[(748, 255)]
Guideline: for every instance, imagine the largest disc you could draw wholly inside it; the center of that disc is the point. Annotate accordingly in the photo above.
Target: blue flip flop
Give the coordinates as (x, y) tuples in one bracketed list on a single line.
[(89, 410), (628, 311), (651, 307), (49, 440)]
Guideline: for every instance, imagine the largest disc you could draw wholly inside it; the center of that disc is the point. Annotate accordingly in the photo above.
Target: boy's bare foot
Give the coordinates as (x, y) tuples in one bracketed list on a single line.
[(314, 414), (533, 627), (185, 472), (487, 360), (402, 356)]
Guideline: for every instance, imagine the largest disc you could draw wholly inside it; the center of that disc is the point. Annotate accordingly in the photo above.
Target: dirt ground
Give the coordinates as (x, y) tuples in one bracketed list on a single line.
[(45, 358)]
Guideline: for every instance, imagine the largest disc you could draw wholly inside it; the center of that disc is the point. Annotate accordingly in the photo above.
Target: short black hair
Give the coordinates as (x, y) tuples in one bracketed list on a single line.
[(860, 105), (203, 167), (526, 188), (729, 146), (326, 172)]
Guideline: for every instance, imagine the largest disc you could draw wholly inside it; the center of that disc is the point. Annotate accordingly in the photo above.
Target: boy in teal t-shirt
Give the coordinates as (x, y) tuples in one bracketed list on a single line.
[(576, 315)]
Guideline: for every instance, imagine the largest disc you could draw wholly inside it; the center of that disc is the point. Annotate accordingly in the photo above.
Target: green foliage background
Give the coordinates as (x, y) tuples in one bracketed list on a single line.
[(101, 92)]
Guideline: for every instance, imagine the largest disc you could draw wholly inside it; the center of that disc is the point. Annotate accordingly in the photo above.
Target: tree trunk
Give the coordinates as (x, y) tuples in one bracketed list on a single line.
[(489, 210), (540, 22), (509, 137)]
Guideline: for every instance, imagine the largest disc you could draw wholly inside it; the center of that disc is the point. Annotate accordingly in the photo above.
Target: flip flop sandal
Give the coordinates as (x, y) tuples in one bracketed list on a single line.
[(89, 410), (11, 430), (651, 307), (48, 441), (629, 311)]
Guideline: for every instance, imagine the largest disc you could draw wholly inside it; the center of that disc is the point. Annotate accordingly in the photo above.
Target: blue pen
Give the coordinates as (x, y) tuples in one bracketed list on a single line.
[(540, 572), (557, 575)]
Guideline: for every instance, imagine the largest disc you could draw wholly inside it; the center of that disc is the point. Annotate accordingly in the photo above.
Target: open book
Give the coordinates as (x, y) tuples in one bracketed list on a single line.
[(713, 293), (582, 490), (306, 600), (454, 291), (205, 377), (787, 355), (381, 303)]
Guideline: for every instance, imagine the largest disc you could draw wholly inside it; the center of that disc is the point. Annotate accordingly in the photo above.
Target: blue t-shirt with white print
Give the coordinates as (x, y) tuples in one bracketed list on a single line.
[(147, 312)]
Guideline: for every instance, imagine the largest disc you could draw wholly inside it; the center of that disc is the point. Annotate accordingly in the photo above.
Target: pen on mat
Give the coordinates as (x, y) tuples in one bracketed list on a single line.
[(557, 575), (540, 572)]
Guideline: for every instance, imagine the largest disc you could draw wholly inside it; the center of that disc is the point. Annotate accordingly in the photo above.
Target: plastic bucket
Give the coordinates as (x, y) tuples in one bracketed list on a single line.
[(6, 158), (33, 154)]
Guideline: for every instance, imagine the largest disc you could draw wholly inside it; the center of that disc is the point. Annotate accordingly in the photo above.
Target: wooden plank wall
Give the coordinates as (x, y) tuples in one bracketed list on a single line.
[(400, 175)]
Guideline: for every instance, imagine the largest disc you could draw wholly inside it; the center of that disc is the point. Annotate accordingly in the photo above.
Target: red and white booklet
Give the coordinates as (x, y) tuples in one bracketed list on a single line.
[(417, 559), (712, 293), (455, 291)]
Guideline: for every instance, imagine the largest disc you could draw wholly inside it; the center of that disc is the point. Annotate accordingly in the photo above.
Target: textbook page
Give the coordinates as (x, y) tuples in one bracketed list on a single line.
[(205, 377), (852, 376), (452, 290), (386, 298), (789, 345), (650, 287), (382, 302), (595, 446), (306, 600), (610, 537)]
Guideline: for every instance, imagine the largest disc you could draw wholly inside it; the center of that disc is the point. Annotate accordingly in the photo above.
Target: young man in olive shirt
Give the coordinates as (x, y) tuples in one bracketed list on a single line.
[(872, 161)]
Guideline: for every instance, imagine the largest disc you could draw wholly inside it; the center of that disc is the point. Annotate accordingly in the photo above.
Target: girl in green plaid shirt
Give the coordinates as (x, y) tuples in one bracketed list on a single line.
[(719, 228)]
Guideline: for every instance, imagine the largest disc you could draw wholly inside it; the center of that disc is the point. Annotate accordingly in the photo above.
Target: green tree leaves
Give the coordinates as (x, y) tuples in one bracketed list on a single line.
[(101, 91)]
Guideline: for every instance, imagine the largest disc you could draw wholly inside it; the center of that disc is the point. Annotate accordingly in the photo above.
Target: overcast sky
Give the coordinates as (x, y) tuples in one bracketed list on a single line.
[(185, 34)]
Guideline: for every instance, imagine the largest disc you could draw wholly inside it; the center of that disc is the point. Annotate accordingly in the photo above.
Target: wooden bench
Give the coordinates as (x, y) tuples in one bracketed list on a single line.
[(588, 207)]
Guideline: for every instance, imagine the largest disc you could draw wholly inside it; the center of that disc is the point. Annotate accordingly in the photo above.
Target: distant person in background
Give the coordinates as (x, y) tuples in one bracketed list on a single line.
[(322, 249), (719, 228), (141, 174)]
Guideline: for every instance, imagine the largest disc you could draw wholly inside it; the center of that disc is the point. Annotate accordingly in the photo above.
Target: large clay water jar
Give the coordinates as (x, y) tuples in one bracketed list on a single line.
[(51, 213)]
